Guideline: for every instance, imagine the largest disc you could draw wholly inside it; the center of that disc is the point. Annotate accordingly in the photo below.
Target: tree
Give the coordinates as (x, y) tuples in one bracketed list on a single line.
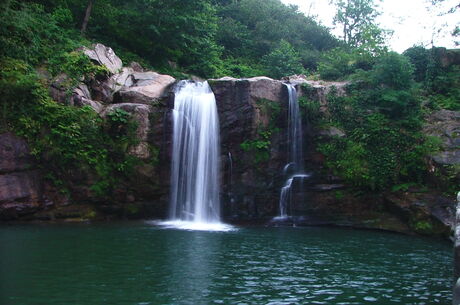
[(357, 18), (282, 61), (87, 15)]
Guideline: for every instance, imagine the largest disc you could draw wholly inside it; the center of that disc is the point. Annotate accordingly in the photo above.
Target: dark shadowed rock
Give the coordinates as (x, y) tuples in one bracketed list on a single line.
[(14, 154), (20, 194)]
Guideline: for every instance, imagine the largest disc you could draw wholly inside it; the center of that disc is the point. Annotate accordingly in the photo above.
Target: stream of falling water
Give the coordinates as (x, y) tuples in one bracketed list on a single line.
[(194, 201), (295, 163)]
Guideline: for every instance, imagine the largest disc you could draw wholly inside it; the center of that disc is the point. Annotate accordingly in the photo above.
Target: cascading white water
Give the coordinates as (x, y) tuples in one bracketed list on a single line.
[(195, 156), (294, 131), (295, 154)]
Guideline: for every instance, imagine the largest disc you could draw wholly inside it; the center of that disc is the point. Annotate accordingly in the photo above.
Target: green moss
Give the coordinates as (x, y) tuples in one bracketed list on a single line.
[(131, 209), (423, 227), (91, 214), (339, 195)]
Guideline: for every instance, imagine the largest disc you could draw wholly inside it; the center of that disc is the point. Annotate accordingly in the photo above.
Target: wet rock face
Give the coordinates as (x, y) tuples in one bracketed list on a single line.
[(247, 110), (14, 153), (20, 185)]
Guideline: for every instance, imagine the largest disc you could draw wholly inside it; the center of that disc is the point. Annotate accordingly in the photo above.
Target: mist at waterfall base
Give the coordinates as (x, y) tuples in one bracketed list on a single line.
[(138, 264), (295, 164), (194, 195)]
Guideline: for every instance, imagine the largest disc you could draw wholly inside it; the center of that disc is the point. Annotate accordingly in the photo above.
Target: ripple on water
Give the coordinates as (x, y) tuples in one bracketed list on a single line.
[(193, 226), (119, 264)]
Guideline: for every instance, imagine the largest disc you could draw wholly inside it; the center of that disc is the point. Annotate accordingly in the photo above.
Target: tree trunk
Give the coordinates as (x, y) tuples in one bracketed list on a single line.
[(87, 15)]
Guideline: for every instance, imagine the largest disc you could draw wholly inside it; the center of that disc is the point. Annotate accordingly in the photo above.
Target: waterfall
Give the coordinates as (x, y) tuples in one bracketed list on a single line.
[(295, 153), (195, 155), (294, 131)]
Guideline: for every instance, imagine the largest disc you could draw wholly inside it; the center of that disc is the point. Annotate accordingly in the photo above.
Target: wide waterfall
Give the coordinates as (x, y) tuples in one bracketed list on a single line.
[(295, 163), (195, 169)]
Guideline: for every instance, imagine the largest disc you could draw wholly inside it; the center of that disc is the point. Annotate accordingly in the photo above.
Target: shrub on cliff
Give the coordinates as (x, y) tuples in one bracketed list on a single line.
[(282, 61), (64, 140), (381, 116)]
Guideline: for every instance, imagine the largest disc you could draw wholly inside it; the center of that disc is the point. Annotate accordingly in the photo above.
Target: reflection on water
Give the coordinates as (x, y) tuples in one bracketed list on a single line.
[(142, 264)]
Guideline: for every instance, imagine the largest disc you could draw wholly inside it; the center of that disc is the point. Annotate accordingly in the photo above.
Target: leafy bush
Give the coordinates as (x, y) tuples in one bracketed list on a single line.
[(66, 141), (339, 63), (420, 58), (393, 71), (336, 64), (260, 147), (29, 33), (282, 61), (381, 116)]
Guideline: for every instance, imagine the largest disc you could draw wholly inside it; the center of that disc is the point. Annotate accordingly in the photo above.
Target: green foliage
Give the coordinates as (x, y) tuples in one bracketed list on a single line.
[(66, 141), (423, 227), (282, 61), (393, 71), (357, 21), (440, 82), (340, 63), (310, 110), (336, 64), (252, 29), (30, 34), (76, 66), (260, 147), (241, 67), (381, 116), (271, 109), (420, 59), (209, 38)]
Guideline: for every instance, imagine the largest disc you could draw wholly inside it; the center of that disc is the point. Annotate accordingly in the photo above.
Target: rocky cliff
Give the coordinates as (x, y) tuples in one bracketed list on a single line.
[(253, 122)]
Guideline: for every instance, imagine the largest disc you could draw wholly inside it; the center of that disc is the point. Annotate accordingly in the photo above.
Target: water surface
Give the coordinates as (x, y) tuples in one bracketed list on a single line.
[(137, 263)]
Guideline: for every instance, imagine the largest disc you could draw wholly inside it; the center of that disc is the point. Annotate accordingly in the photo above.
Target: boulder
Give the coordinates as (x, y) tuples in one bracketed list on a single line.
[(331, 132), (104, 56), (140, 113), (122, 79), (143, 87), (96, 106)]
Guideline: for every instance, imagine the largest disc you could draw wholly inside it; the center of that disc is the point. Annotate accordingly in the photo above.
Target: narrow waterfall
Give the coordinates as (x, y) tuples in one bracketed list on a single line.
[(295, 154), (195, 155), (294, 132)]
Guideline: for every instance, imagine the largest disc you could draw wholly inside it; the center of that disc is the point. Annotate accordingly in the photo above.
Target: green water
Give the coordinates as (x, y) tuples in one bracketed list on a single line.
[(136, 263)]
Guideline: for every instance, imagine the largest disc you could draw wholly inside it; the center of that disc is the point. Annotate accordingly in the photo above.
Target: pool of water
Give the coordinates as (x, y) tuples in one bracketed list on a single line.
[(137, 263)]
